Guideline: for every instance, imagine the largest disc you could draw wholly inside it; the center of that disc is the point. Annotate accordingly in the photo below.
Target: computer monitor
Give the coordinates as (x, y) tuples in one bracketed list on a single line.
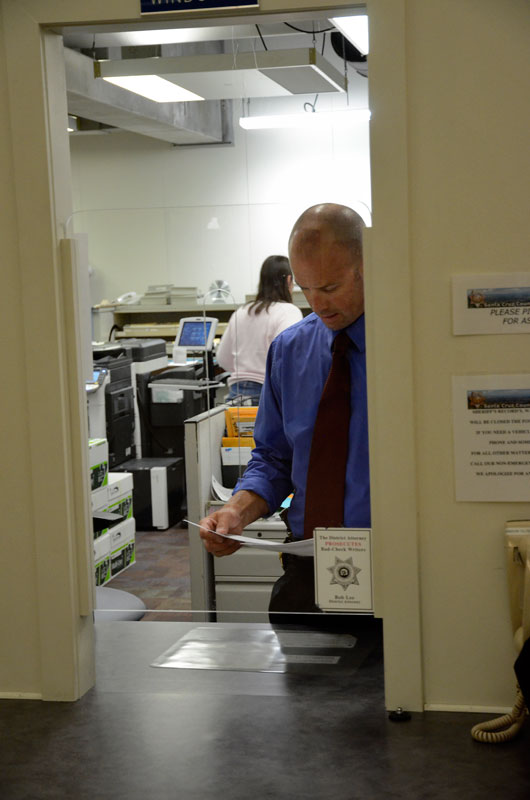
[(196, 333)]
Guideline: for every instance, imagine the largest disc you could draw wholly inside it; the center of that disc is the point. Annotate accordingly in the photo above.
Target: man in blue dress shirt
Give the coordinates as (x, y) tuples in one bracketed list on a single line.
[(325, 251)]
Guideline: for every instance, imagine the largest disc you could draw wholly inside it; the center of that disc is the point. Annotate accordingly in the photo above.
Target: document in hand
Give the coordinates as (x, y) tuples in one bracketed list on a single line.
[(303, 547)]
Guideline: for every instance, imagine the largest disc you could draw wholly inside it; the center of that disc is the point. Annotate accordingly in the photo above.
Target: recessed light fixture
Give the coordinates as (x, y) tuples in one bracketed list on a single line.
[(154, 88)]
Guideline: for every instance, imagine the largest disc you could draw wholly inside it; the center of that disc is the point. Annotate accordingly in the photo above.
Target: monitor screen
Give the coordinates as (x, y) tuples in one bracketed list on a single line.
[(194, 334)]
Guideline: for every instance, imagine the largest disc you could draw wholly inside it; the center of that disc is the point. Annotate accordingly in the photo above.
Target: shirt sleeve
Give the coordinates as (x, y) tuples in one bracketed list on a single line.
[(268, 472), (224, 354)]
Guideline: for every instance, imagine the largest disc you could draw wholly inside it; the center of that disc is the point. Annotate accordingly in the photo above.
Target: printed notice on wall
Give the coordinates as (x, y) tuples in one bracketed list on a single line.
[(491, 420), (343, 570), (489, 303)]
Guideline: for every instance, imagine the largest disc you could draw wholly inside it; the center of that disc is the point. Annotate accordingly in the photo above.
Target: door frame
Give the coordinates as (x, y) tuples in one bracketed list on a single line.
[(36, 84)]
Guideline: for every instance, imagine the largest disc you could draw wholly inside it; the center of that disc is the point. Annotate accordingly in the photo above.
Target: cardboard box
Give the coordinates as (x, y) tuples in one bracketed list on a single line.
[(120, 494), (99, 498), (120, 490), (98, 460), (102, 559), (122, 546)]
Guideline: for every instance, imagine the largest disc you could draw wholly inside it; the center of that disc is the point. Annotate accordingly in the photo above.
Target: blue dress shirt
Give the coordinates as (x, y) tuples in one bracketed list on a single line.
[(298, 363)]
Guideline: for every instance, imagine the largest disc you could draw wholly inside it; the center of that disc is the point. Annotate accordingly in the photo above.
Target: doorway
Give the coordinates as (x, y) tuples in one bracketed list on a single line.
[(213, 211)]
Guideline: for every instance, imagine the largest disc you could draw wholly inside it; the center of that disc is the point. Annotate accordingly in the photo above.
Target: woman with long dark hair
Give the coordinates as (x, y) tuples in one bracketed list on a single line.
[(243, 348)]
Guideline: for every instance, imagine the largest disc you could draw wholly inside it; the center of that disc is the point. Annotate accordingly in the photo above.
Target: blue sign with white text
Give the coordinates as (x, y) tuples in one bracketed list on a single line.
[(154, 6)]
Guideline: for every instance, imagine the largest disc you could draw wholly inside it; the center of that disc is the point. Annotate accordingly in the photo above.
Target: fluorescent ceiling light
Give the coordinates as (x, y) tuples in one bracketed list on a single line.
[(306, 119), (167, 36), (175, 36), (228, 75), (355, 29), (154, 88)]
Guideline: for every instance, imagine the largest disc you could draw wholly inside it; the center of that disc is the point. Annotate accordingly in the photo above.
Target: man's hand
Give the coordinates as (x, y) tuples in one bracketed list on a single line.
[(242, 509), (226, 520)]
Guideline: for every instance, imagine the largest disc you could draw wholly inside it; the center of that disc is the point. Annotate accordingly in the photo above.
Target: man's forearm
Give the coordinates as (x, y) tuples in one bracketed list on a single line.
[(249, 505)]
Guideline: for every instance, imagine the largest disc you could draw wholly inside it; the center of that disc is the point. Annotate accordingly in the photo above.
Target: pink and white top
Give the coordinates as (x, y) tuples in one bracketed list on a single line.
[(245, 343)]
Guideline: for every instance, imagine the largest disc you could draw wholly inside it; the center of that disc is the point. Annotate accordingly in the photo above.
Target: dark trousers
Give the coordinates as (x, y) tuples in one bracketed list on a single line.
[(295, 589), (292, 599)]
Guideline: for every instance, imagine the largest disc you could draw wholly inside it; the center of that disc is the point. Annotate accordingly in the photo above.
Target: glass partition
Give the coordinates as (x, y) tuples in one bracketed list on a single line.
[(188, 441), (177, 441)]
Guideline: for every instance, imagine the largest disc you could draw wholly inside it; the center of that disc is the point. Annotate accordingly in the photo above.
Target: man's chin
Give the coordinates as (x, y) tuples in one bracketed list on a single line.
[(334, 322)]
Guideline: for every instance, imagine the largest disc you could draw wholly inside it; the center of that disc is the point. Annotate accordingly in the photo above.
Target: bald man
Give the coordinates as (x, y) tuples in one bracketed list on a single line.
[(325, 251)]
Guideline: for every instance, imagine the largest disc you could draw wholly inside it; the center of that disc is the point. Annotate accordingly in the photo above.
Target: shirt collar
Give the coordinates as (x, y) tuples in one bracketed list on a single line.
[(355, 331)]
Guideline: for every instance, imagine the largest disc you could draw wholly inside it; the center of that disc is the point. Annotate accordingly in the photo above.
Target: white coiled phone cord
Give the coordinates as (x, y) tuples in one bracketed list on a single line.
[(505, 728)]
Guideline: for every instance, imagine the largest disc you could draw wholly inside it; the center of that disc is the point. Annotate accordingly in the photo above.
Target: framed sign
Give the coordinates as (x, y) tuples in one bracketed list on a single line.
[(343, 570), (490, 303)]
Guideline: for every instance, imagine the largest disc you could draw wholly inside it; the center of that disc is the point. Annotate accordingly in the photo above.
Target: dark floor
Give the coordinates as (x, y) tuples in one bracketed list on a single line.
[(161, 575), (147, 733)]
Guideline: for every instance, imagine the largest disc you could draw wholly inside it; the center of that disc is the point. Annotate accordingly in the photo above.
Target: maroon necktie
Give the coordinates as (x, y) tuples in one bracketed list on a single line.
[(326, 474)]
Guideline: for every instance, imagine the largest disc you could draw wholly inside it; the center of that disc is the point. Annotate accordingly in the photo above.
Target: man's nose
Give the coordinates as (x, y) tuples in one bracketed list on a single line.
[(317, 301)]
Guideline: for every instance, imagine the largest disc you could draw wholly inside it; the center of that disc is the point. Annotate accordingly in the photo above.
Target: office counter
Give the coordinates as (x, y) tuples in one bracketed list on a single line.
[(126, 650)]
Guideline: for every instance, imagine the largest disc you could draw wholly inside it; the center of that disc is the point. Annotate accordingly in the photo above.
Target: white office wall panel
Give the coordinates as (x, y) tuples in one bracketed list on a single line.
[(213, 175), (126, 250), (191, 215), (269, 229), (287, 164), (209, 243)]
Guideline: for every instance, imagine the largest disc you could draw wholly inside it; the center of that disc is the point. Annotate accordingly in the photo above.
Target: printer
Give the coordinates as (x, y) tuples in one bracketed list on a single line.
[(119, 405)]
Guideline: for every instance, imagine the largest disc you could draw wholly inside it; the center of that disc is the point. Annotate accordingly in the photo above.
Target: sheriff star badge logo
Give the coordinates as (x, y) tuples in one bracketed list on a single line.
[(344, 573)]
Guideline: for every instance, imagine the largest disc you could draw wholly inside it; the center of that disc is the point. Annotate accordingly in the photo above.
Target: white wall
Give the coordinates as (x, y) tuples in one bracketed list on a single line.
[(162, 214), (474, 222), (451, 198)]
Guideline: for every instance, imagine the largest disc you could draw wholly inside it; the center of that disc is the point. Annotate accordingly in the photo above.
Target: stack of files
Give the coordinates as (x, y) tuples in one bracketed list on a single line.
[(179, 293), (157, 330), (157, 295)]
